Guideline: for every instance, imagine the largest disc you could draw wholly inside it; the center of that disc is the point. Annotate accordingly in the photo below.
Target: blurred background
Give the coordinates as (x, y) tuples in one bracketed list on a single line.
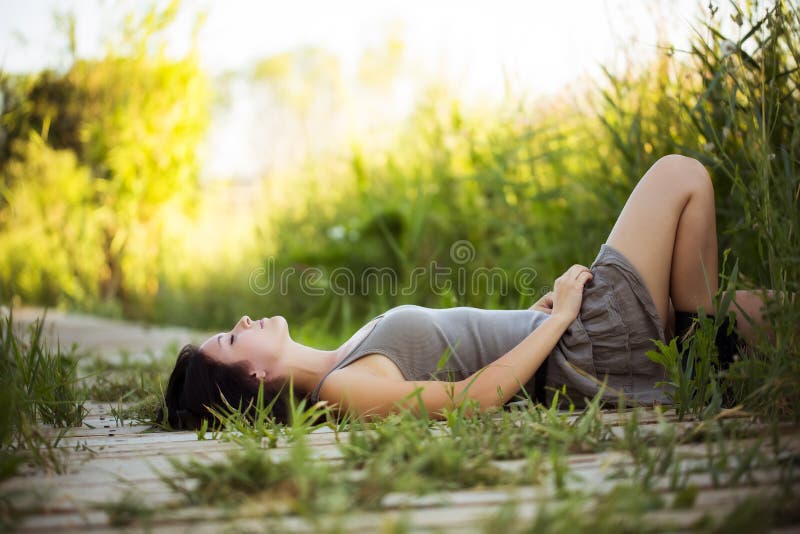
[(155, 155)]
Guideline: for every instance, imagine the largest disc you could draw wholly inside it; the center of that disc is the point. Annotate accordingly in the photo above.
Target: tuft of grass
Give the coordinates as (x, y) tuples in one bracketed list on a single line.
[(129, 510), (257, 422), (37, 387), (622, 509), (252, 475), (134, 388), (695, 383)]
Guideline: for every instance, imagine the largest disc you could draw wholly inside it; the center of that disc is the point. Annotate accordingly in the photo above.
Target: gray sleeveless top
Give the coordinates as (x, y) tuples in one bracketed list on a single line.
[(605, 347), (443, 344)]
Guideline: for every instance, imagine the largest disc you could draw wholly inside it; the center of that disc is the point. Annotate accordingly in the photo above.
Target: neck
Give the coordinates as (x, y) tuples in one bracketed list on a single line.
[(307, 365)]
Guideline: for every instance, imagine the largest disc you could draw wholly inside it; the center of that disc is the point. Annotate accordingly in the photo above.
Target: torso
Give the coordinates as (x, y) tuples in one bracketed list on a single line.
[(376, 364), (414, 343)]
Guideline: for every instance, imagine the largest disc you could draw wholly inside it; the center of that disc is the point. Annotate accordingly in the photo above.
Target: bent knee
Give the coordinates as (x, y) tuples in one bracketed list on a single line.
[(684, 171)]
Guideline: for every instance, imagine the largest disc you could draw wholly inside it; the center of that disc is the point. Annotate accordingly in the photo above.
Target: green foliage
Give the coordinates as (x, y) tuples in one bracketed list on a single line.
[(134, 388), (695, 380), (387, 464), (37, 387), (292, 484), (99, 159), (99, 176), (129, 510), (99, 172), (749, 113), (51, 245)]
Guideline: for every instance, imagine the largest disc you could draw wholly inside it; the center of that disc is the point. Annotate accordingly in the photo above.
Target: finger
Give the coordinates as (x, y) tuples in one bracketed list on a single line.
[(584, 271), (576, 269)]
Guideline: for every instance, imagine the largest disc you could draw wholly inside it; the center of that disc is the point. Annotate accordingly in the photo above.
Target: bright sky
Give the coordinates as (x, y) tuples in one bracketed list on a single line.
[(538, 46)]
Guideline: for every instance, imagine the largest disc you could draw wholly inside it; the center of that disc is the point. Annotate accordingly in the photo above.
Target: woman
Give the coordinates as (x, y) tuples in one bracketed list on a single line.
[(657, 268)]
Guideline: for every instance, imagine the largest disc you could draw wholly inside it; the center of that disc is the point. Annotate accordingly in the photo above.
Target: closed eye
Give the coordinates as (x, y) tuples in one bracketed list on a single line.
[(232, 336)]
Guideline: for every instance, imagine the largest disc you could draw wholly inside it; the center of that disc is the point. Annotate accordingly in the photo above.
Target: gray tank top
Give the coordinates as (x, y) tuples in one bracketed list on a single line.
[(443, 344)]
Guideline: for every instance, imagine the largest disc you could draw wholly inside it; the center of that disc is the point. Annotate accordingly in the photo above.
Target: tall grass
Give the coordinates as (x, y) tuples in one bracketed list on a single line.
[(743, 114), (528, 184), (527, 192), (38, 389), (539, 184)]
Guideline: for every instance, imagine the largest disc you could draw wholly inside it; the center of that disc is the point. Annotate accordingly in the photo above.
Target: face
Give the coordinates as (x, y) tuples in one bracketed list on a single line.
[(259, 343)]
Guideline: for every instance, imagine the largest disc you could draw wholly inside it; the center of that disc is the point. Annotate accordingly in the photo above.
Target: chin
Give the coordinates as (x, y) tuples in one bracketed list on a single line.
[(284, 325)]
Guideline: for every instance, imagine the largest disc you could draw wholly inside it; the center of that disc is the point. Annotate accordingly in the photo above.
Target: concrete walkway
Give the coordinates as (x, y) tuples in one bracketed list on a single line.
[(109, 338)]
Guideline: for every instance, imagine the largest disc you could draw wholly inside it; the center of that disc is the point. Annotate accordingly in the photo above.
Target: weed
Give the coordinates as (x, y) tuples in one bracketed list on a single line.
[(622, 509), (129, 510), (133, 387), (37, 387), (252, 474)]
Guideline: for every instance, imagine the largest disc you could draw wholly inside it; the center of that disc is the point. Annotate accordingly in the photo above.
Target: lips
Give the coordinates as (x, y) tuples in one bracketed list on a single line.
[(261, 322)]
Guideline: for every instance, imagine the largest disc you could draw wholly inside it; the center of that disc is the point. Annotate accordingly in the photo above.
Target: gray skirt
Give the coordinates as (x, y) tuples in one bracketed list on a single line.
[(609, 339)]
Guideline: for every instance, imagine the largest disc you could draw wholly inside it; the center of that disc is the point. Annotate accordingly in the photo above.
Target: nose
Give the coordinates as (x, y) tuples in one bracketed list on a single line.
[(244, 322)]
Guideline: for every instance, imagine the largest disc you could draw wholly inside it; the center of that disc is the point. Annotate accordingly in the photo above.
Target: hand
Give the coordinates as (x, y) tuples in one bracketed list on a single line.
[(568, 291), (544, 304)]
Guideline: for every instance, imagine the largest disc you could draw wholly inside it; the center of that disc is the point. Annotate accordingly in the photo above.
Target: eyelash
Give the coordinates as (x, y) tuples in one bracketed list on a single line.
[(232, 336)]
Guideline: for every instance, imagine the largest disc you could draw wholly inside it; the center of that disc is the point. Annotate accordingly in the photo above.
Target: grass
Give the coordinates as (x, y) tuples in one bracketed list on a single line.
[(455, 175), (38, 389), (406, 455), (40, 397), (133, 388), (129, 510), (274, 471)]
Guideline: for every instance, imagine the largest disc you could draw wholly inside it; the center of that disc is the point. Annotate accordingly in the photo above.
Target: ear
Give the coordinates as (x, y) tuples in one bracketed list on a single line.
[(260, 374)]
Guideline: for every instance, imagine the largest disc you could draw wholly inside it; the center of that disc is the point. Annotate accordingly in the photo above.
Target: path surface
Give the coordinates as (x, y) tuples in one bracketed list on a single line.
[(108, 338), (109, 459)]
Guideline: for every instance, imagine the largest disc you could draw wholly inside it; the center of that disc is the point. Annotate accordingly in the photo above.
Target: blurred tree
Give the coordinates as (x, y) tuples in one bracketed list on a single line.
[(51, 246), (48, 104), (134, 119)]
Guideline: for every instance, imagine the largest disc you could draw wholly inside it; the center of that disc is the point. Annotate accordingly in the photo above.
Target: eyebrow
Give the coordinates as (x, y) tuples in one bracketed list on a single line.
[(218, 340)]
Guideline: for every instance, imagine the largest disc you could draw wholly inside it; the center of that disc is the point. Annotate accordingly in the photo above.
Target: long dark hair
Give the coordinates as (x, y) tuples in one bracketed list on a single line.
[(199, 382)]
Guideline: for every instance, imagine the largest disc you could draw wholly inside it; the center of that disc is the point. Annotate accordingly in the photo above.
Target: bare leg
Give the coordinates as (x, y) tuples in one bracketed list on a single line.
[(667, 230), (749, 309)]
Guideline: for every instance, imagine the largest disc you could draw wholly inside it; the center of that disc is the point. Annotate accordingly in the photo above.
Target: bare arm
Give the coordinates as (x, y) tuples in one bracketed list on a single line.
[(362, 393)]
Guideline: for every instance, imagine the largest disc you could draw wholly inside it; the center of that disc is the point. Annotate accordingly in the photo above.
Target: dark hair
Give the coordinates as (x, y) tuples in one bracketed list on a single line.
[(199, 382)]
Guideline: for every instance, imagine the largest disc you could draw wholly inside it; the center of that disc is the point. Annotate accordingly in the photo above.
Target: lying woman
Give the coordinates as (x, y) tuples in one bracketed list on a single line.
[(657, 269)]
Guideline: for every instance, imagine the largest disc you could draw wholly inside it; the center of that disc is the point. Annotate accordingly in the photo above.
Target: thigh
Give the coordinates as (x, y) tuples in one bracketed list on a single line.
[(645, 229)]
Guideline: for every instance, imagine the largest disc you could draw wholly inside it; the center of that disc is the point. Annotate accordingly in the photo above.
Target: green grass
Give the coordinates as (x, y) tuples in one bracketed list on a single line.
[(133, 388), (39, 391), (527, 186), (128, 511), (406, 455), (273, 472), (40, 396)]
